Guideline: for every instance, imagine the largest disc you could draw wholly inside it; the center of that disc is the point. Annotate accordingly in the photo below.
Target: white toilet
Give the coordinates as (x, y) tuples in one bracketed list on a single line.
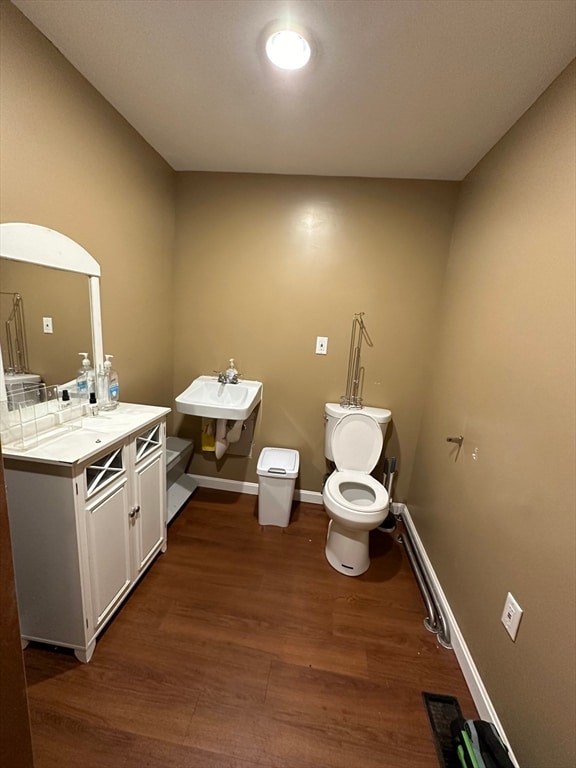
[(354, 500)]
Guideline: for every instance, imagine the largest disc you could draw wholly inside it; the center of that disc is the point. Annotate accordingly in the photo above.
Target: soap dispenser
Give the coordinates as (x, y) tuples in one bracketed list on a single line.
[(85, 379), (113, 382), (231, 372), (103, 389)]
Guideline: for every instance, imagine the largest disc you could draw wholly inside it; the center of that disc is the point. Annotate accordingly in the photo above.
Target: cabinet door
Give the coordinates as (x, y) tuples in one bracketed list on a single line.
[(150, 500), (108, 534)]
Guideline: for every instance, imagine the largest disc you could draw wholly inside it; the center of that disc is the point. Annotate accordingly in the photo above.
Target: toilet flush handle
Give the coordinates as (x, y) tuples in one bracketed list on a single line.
[(458, 440)]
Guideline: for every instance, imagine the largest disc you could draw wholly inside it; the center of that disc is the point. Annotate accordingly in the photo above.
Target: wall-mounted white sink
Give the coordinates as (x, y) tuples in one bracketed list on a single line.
[(207, 397)]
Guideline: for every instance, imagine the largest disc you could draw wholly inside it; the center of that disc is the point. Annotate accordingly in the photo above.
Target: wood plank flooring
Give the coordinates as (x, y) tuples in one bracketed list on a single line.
[(242, 648)]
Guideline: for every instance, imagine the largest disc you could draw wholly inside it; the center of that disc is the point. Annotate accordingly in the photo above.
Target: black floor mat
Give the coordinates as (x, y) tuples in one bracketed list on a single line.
[(441, 711)]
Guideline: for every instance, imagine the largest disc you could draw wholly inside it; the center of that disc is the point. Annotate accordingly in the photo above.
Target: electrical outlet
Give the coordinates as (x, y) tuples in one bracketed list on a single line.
[(511, 615), (321, 345), (47, 325)]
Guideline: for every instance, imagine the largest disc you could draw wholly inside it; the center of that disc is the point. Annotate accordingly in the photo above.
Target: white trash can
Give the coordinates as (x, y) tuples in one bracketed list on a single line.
[(277, 472)]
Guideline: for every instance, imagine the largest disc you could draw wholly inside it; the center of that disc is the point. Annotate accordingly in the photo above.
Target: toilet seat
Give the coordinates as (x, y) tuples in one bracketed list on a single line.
[(351, 494), (336, 489)]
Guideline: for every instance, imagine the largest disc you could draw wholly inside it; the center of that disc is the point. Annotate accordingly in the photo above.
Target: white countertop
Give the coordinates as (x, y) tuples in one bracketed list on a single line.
[(97, 433)]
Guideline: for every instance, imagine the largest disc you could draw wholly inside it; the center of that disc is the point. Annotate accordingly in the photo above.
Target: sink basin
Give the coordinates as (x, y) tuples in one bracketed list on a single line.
[(207, 397)]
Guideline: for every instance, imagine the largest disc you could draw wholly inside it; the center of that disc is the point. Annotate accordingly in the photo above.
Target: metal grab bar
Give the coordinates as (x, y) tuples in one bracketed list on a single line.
[(433, 608), (431, 620)]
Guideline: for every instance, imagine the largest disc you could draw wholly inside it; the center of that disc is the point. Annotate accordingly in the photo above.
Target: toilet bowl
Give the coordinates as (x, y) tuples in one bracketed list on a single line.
[(355, 502)]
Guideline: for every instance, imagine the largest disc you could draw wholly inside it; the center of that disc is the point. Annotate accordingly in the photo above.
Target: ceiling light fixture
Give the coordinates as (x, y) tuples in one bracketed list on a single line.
[(287, 49)]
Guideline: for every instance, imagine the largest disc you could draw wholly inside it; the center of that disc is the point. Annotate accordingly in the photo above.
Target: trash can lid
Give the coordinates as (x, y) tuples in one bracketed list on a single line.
[(283, 462)]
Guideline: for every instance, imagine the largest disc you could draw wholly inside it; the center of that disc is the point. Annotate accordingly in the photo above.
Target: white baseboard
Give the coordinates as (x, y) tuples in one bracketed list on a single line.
[(239, 486), (223, 484), (474, 682), (312, 497)]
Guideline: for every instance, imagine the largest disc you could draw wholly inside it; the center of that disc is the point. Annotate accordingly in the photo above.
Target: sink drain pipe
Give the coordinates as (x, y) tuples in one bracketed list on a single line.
[(435, 620)]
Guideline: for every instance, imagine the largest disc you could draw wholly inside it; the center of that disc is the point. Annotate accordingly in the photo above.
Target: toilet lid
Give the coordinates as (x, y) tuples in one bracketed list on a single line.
[(356, 443)]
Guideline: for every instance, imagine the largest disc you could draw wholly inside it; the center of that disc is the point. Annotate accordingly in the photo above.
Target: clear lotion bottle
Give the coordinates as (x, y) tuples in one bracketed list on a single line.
[(113, 383), (103, 387), (82, 378)]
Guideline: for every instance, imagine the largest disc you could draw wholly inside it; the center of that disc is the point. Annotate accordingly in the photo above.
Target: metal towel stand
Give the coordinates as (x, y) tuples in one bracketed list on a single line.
[(15, 329), (355, 377)]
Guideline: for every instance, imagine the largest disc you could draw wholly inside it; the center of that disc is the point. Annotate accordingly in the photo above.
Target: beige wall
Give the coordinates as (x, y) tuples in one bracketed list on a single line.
[(499, 516), (264, 264), (71, 163)]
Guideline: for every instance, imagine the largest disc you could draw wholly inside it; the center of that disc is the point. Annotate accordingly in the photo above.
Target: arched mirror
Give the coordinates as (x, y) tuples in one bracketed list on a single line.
[(24, 245)]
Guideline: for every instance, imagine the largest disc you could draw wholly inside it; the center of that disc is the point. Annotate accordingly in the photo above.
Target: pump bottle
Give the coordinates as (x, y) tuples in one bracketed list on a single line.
[(113, 382), (103, 387), (231, 372), (85, 380)]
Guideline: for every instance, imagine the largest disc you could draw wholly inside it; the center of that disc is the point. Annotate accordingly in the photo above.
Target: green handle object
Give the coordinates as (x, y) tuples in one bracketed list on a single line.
[(466, 753), (472, 763)]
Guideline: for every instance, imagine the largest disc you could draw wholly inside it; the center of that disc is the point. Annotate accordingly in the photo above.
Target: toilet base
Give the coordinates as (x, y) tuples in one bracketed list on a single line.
[(347, 549)]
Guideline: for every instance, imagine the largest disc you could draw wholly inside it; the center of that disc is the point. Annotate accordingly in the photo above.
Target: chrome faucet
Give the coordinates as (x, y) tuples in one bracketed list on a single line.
[(224, 378), (229, 376)]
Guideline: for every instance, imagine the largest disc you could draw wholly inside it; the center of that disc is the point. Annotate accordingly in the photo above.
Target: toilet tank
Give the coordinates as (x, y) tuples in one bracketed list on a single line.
[(333, 412)]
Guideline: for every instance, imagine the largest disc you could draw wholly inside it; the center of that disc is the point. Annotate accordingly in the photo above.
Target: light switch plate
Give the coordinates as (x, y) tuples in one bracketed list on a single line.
[(47, 325), (321, 345)]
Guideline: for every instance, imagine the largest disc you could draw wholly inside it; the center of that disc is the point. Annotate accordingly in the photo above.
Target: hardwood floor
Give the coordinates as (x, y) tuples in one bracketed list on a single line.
[(243, 648)]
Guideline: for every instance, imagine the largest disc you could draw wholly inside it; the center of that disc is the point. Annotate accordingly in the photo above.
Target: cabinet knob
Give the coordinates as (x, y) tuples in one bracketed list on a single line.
[(134, 511)]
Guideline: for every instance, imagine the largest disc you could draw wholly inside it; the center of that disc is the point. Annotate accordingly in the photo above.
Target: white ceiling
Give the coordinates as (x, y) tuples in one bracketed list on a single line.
[(396, 88)]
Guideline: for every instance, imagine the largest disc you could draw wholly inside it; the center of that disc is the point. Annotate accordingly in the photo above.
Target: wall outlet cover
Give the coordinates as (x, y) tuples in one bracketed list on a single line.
[(511, 615)]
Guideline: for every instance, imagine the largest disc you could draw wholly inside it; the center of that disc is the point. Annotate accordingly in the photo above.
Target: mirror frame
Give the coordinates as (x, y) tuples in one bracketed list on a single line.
[(46, 247)]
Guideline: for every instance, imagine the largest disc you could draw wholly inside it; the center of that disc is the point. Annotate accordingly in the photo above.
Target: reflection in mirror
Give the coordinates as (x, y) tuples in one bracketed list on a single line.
[(14, 341), (61, 296)]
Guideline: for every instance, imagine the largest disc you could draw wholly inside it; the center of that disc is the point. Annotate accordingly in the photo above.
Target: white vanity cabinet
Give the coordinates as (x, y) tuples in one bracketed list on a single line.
[(87, 517)]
